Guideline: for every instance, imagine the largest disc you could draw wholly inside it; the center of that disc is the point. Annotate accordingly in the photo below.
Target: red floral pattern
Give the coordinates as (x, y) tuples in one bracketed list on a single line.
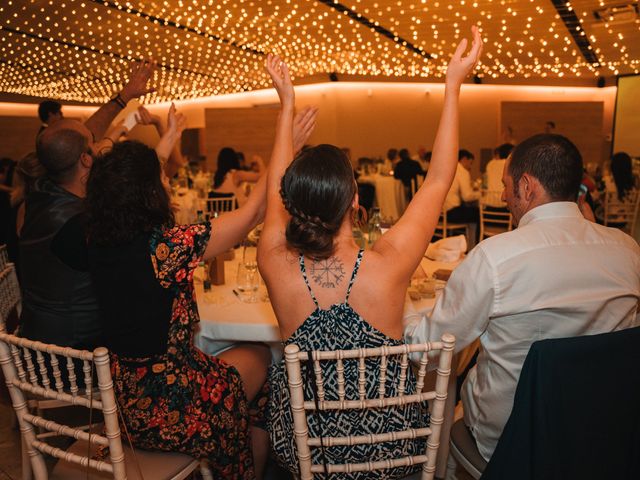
[(186, 401)]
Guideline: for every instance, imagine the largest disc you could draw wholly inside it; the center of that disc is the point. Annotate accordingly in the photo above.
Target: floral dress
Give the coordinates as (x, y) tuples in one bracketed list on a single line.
[(340, 327), (186, 401)]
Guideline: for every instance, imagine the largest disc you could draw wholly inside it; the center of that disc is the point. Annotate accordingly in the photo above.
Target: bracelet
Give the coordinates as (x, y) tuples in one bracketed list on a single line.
[(118, 100)]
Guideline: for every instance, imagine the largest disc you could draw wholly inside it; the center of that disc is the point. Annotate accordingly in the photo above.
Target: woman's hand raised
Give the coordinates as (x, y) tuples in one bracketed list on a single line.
[(459, 66), (281, 80)]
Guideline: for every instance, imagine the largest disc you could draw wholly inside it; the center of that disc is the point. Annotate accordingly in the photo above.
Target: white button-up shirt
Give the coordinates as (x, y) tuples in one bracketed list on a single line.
[(461, 189), (556, 275)]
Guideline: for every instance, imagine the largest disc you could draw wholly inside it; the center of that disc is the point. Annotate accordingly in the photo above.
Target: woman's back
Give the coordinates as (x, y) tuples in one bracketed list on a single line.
[(339, 326)]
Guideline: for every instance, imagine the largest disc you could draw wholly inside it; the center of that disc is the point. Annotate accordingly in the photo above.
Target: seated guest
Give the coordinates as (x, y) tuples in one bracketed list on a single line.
[(619, 184), (172, 396), (462, 191), (556, 275), (336, 296), (58, 301), (229, 177), (495, 167), (390, 161), (406, 169)]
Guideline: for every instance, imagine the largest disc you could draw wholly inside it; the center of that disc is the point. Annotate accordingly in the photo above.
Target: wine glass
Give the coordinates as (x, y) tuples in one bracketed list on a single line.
[(247, 282), (250, 256)]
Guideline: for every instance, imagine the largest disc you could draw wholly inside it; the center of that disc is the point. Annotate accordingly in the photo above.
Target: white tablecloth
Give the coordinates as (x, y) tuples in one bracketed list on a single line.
[(390, 194), (224, 319), (188, 203)]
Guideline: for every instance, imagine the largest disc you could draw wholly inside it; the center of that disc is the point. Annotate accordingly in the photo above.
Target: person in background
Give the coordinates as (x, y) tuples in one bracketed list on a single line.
[(49, 112), (550, 127), (462, 191), (58, 301), (619, 184), (229, 177), (493, 174), (556, 275), (322, 299), (406, 170)]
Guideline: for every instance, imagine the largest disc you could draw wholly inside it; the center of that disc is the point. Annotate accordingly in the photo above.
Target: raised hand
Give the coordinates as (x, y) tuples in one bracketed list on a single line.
[(281, 79), (303, 124), (137, 84), (176, 122), (459, 66), (146, 118)]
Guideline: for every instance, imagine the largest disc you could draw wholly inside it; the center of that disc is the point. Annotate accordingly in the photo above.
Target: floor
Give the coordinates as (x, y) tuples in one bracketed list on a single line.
[(10, 462)]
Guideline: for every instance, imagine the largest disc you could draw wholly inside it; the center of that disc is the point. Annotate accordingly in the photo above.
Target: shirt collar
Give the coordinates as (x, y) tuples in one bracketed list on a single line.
[(551, 210)]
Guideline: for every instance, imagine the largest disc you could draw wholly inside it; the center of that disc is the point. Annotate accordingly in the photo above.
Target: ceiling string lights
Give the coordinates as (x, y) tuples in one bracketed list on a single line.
[(81, 50)]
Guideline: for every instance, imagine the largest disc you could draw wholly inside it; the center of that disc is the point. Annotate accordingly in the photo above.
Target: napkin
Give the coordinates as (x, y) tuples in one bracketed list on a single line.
[(448, 249)]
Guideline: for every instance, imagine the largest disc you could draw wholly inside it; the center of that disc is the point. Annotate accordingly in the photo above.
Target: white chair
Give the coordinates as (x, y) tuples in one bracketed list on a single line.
[(219, 205), (622, 213), (493, 222), (4, 257), (10, 298), (24, 366), (300, 406)]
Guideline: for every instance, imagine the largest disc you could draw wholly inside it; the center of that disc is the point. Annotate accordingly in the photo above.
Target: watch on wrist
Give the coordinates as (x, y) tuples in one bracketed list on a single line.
[(118, 100)]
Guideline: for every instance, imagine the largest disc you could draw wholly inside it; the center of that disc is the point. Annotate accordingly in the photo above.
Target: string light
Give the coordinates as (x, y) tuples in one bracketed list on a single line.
[(81, 50)]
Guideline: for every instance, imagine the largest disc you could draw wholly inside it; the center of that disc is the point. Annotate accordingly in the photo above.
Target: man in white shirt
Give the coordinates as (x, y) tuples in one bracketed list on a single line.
[(493, 173), (462, 191), (556, 275)]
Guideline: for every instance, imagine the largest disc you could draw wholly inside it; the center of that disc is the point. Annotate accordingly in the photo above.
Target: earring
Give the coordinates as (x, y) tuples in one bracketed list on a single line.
[(359, 216)]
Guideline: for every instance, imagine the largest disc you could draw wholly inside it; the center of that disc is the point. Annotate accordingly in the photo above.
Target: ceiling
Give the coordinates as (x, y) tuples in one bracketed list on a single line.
[(80, 50)]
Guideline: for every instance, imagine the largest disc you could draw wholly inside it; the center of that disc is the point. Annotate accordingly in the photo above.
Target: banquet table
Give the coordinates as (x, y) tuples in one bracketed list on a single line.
[(225, 319), (390, 194)]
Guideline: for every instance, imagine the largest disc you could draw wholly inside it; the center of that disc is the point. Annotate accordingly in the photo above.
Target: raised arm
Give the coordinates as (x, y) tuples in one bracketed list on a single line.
[(175, 159), (281, 156), (176, 123), (405, 243), (135, 87)]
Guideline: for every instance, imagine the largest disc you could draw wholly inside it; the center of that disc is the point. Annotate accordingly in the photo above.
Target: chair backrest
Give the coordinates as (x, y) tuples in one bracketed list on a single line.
[(27, 366), (570, 392), (498, 221), (220, 205), (300, 405), (10, 298), (4, 257), (623, 211)]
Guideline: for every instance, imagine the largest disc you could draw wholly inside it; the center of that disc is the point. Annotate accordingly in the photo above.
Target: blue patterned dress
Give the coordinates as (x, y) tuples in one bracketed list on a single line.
[(340, 328)]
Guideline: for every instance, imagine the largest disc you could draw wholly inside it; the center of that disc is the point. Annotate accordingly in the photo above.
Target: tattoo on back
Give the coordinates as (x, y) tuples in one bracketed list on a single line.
[(327, 273)]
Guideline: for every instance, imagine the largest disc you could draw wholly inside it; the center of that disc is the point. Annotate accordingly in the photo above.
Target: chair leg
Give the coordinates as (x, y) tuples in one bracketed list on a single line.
[(451, 468), (27, 473), (205, 471)]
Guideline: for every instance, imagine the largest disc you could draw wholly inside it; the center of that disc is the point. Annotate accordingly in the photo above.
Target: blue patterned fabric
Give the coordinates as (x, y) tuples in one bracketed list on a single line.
[(340, 328)]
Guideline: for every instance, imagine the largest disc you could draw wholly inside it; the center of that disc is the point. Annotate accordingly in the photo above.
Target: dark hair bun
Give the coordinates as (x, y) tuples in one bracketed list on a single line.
[(317, 190)]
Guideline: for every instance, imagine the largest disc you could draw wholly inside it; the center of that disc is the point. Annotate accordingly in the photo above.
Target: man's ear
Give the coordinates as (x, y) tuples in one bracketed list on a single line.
[(530, 187), (86, 160)]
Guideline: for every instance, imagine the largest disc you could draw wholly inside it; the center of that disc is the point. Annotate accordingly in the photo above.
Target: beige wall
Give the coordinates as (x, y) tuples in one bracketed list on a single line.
[(371, 117)]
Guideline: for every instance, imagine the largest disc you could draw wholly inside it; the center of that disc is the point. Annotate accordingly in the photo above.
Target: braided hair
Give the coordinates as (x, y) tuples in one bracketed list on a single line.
[(317, 190)]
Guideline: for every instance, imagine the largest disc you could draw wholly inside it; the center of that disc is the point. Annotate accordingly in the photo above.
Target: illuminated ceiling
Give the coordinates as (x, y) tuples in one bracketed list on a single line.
[(79, 50)]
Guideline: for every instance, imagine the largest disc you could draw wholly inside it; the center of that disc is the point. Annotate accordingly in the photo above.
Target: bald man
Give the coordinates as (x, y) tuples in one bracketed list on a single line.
[(59, 304)]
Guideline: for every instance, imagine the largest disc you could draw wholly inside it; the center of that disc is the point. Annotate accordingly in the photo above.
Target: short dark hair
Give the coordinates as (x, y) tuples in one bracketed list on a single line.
[(317, 190), (46, 108), (503, 151), (59, 152), (622, 173), (404, 154), (462, 153), (553, 160), (125, 195), (392, 153)]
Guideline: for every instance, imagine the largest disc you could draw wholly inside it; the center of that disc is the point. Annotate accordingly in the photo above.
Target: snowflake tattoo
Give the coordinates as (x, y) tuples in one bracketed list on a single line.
[(327, 273)]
